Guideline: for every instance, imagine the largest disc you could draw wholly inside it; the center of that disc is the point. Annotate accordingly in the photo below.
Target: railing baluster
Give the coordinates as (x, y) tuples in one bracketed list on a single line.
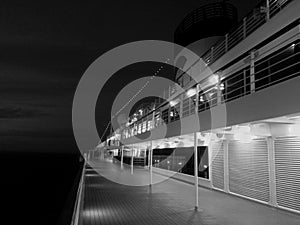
[(267, 10), (252, 72), (226, 42), (244, 27)]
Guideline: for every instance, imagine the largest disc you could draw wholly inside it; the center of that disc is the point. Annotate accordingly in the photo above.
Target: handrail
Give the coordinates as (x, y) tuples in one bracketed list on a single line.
[(247, 26), (253, 20), (77, 206), (235, 86)]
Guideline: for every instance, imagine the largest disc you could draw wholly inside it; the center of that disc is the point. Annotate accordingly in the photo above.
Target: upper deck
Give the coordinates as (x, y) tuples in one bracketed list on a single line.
[(244, 69)]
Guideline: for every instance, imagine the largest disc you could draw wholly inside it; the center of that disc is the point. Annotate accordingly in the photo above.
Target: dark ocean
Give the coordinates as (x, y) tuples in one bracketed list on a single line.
[(38, 188)]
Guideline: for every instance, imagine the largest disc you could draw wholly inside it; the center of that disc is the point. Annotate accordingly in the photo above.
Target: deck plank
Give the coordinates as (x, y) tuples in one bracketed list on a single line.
[(171, 202)]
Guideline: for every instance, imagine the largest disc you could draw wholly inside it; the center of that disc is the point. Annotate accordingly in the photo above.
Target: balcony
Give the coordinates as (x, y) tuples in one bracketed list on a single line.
[(278, 67)]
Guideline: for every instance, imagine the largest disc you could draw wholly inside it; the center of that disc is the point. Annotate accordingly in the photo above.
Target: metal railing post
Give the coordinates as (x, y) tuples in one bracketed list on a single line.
[(219, 94), (226, 42), (267, 10), (244, 27), (196, 171), (169, 118), (132, 160), (153, 120), (151, 159), (181, 106), (197, 98), (252, 72), (245, 81), (122, 154), (212, 54)]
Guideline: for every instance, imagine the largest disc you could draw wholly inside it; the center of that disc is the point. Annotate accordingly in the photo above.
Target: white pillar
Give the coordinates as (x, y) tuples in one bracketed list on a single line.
[(210, 158), (226, 166), (197, 99), (122, 153), (196, 171), (151, 157), (153, 121), (132, 160), (219, 91), (181, 106)]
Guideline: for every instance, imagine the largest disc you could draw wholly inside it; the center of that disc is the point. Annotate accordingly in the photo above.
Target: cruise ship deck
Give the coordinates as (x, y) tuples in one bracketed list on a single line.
[(221, 146), (168, 202)]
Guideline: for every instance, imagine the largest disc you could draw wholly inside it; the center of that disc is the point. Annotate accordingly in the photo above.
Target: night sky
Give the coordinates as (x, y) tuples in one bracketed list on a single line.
[(45, 47)]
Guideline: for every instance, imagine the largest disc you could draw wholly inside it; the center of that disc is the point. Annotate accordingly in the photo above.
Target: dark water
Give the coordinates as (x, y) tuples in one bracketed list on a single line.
[(38, 188)]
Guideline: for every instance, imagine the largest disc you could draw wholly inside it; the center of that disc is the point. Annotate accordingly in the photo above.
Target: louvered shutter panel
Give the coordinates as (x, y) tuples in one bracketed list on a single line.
[(248, 169), (217, 165), (287, 167)]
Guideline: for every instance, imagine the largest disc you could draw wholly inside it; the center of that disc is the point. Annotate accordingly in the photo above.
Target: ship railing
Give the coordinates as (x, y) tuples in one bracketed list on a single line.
[(265, 10), (260, 15), (76, 220), (272, 69)]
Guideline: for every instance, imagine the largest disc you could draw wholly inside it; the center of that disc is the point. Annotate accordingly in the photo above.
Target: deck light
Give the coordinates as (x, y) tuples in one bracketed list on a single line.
[(201, 98), (173, 103), (222, 87), (191, 92)]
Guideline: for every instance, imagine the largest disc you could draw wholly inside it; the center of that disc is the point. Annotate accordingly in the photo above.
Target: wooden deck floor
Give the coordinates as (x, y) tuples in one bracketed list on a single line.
[(170, 202)]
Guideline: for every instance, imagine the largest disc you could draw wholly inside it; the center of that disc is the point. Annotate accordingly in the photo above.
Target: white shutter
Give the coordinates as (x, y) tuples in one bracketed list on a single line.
[(287, 167), (248, 169), (217, 165)]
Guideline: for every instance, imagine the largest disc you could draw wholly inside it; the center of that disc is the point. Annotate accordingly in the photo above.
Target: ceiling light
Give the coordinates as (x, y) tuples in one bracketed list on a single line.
[(173, 103), (191, 92), (222, 87)]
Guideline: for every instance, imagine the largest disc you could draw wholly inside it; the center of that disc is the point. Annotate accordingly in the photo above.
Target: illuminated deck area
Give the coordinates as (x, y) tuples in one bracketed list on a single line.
[(168, 202)]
